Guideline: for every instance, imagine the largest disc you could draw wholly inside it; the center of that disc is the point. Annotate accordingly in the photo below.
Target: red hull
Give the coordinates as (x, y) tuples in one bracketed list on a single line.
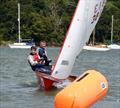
[(46, 81)]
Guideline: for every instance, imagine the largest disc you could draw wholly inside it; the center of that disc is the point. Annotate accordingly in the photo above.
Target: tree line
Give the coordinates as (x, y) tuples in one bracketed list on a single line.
[(49, 20)]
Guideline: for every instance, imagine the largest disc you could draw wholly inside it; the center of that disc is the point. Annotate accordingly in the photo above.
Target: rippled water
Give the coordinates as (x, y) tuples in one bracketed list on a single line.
[(18, 82)]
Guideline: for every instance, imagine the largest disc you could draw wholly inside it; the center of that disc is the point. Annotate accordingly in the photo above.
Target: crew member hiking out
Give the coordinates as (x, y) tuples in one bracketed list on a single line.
[(37, 65), (36, 62)]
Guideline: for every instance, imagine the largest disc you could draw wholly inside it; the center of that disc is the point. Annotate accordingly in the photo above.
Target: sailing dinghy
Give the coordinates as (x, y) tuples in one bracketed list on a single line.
[(83, 22)]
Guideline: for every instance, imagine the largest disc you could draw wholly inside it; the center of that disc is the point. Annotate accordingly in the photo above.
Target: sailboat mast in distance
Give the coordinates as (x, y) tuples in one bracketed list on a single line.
[(20, 44), (113, 45), (19, 22), (112, 29)]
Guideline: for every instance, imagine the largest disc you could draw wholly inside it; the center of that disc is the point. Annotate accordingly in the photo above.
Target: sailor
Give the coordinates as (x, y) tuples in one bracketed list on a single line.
[(36, 62), (42, 53)]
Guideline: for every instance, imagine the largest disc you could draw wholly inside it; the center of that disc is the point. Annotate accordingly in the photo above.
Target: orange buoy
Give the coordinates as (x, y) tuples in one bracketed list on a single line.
[(83, 92)]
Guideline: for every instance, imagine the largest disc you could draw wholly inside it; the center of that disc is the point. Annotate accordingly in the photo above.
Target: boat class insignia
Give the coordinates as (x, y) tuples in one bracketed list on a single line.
[(98, 10), (56, 72), (103, 85)]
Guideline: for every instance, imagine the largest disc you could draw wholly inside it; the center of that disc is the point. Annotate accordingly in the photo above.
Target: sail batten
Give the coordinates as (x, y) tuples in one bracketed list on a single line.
[(84, 20)]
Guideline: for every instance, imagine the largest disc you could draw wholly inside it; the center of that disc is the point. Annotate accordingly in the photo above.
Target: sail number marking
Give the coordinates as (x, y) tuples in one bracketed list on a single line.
[(98, 10)]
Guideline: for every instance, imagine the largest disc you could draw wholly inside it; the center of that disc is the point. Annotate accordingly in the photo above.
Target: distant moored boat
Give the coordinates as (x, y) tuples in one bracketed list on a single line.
[(20, 44), (113, 46)]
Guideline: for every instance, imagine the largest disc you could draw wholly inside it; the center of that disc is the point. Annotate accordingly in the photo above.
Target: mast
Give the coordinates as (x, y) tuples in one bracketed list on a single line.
[(112, 29), (19, 22), (93, 43)]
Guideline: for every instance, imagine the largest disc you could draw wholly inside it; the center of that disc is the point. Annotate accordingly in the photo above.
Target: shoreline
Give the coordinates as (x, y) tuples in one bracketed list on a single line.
[(99, 45)]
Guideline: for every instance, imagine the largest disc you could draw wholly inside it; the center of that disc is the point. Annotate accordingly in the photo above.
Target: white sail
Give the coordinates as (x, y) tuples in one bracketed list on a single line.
[(84, 20)]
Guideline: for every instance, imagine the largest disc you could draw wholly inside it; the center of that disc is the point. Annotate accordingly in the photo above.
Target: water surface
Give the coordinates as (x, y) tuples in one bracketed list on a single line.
[(18, 82)]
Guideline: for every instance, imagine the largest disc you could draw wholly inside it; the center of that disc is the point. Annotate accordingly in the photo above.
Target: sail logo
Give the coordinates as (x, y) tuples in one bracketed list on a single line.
[(98, 10), (103, 85)]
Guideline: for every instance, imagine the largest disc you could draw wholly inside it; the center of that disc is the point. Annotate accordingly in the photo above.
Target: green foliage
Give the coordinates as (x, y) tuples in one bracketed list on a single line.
[(49, 20), (103, 33)]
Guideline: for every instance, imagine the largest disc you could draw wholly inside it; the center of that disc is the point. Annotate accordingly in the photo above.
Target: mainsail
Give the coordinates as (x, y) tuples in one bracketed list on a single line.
[(84, 20)]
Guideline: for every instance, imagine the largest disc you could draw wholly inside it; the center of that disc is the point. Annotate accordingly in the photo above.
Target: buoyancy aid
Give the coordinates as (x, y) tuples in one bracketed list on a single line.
[(38, 66), (41, 52), (36, 57)]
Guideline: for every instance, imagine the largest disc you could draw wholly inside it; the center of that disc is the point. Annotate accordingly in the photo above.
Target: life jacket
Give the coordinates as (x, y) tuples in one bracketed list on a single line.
[(35, 57), (41, 52)]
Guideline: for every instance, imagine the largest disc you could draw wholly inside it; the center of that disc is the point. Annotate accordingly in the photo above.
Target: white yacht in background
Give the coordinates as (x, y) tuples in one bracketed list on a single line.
[(94, 47), (113, 46), (20, 44)]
